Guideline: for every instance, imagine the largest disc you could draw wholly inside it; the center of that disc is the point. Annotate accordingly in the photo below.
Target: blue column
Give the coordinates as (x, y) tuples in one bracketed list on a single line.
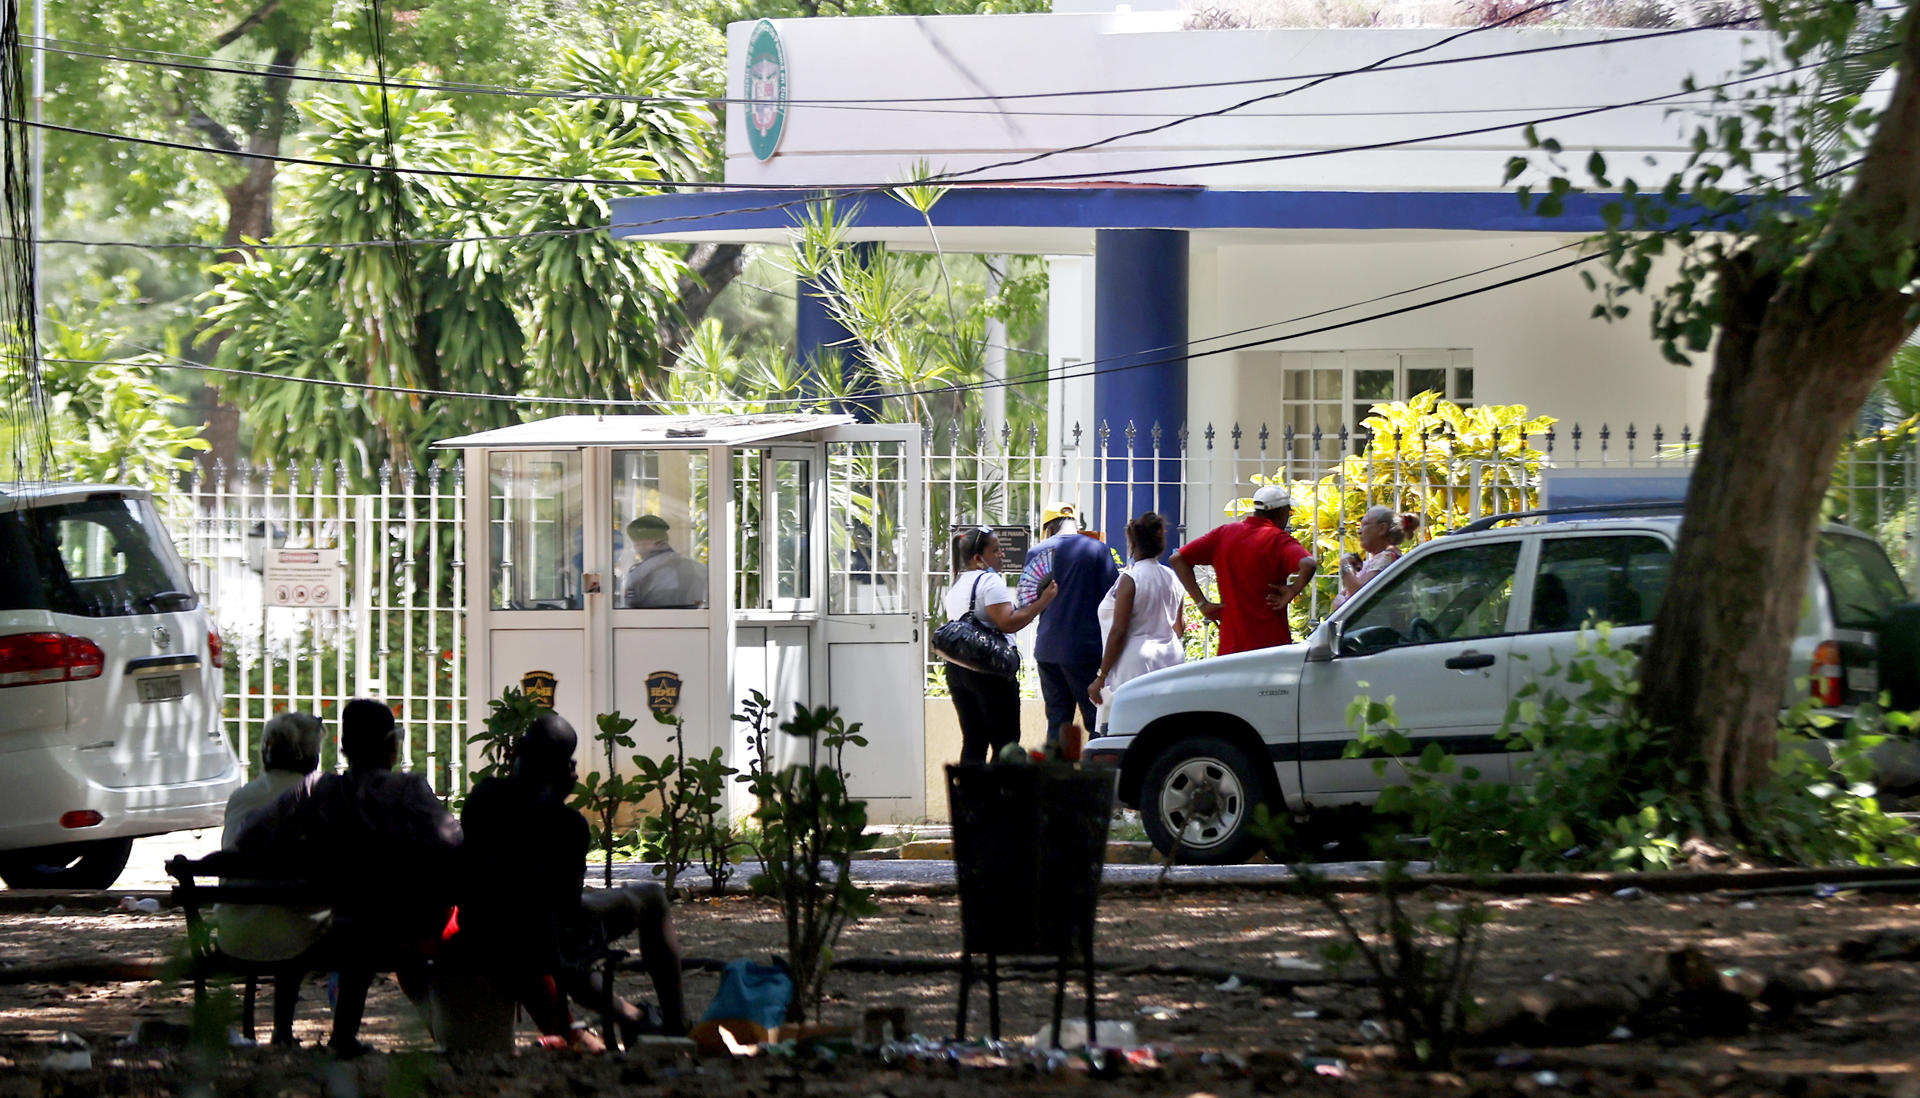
[(818, 335), (1140, 342)]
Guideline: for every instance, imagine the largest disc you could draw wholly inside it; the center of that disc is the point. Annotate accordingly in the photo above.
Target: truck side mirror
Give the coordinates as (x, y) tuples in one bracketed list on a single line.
[(1324, 644)]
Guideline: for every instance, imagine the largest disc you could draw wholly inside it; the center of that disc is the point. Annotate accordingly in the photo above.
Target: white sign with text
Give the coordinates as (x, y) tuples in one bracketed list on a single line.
[(306, 579)]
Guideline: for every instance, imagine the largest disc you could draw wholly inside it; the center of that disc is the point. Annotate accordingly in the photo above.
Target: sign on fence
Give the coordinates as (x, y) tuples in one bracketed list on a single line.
[(306, 579)]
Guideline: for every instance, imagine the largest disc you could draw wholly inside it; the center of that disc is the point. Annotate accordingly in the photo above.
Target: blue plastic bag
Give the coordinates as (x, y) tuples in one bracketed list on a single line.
[(753, 991)]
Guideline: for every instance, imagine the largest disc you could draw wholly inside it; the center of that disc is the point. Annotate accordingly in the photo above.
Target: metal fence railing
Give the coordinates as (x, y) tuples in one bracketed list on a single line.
[(400, 634)]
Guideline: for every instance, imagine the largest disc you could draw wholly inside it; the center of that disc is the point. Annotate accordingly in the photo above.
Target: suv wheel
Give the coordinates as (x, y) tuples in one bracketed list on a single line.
[(1200, 794), (71, 866)]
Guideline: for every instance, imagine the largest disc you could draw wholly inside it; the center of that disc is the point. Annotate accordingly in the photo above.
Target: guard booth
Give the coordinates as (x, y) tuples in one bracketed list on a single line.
[(674, 563)]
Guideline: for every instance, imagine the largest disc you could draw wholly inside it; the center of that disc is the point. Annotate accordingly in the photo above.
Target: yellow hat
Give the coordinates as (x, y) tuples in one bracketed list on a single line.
[(1058, 509)]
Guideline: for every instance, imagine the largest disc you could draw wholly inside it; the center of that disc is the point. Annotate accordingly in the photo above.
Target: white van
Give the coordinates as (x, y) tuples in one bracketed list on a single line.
[(110, 686)]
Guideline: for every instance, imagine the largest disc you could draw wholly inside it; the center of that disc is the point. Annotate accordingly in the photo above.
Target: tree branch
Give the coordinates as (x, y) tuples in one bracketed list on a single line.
[(253, 19)]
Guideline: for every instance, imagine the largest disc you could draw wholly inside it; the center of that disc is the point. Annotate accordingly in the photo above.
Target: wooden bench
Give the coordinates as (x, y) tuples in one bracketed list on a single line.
[(205, 959)]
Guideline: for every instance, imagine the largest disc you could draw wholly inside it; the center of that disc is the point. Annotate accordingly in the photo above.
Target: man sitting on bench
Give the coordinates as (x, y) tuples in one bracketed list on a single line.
[(265, 933), (523, 909), (382, 847)]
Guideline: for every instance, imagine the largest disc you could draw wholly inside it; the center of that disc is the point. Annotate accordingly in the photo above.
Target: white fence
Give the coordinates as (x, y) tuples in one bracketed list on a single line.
[(399, 635)]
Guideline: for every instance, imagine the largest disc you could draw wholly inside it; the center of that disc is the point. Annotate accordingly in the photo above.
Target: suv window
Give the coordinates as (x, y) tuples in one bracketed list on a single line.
[(1613, 579), (1454, 594), (98, 558), (1860, 579)]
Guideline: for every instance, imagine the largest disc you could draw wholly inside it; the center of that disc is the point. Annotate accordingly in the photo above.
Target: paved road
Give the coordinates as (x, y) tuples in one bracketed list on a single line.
[(145, 871)]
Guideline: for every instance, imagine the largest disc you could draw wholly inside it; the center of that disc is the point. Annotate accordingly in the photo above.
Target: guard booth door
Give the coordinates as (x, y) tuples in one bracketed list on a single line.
[(828, 596), (874, 668)]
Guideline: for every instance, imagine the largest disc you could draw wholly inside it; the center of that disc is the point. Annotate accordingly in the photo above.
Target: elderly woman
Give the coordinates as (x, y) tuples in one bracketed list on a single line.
[(289, 760), (1381, 534)]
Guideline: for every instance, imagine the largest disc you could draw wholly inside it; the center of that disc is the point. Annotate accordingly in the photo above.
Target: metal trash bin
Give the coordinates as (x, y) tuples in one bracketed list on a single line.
[(1029, 845)]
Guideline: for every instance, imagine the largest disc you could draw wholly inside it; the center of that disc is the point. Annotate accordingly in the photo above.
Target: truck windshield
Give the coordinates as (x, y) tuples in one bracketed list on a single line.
[(101, 557), (1860, 579)]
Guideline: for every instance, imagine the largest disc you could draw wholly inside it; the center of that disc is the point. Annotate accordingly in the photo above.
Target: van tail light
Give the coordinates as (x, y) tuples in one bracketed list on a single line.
[(1828, 675), (27, 659), (85, 817), (216, 652)]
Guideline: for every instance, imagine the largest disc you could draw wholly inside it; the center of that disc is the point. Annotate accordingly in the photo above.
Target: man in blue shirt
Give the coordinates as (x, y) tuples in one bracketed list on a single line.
[(1069, 645)]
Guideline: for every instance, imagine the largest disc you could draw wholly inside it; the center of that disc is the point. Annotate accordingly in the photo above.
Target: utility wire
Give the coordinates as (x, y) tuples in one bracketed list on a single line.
[(218, 65), (842, 191), (1083, 369)]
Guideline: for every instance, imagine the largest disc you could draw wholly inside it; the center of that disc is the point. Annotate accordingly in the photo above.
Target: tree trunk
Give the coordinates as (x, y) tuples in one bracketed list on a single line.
[(711, 268), (1804, 333), (249, 214)]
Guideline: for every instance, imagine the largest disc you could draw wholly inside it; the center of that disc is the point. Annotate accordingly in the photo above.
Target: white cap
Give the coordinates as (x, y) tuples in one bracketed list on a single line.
[(1272, 497)]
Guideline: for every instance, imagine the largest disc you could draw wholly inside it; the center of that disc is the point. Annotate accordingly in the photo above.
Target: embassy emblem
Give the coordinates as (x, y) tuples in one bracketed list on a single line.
[(663, 692), (766, 91), (538, 687)]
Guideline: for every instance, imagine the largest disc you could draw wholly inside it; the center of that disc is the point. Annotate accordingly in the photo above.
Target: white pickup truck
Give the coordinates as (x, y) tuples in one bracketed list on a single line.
[(1451, 631)]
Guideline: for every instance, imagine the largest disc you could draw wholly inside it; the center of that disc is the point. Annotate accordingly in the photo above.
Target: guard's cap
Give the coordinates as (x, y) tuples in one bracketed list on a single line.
[(1059, 509), (647, 526), (1272, 497)]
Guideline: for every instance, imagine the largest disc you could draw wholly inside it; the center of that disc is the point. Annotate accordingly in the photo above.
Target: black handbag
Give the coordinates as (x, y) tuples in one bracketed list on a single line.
[(976, 645)]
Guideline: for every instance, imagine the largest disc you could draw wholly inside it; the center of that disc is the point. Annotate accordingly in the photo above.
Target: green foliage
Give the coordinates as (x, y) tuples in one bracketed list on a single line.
[(601, 796), (104, 413), (561, 312), (810, 829), (508, 717), (1760, 182), (1601, 789), (691, 824), (1421, 457)]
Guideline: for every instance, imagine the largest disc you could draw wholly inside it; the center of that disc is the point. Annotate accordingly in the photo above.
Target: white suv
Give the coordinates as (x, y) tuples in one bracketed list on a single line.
[(1451, 630), (109, 686)]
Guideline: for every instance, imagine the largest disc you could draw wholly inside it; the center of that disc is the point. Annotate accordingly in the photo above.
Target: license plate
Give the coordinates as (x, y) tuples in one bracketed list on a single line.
[(159, 688), (1863, 680)]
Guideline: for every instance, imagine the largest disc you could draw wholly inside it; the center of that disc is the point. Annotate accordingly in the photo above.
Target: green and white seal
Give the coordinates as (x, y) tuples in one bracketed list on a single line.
[(766, 89)]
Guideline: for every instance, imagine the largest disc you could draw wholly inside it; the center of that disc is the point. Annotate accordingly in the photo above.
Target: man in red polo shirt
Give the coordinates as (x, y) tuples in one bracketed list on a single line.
[(1260, 569)]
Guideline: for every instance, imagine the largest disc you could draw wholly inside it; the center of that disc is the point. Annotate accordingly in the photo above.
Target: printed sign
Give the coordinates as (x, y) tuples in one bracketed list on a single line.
[(305, 579), (1014, 541), (766, 91), (663, 692), (538, 687)]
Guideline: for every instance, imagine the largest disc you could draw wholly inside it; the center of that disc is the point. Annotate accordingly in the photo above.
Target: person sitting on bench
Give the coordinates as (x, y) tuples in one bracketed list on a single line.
[(266, 933), (382, 847), (523, 907)]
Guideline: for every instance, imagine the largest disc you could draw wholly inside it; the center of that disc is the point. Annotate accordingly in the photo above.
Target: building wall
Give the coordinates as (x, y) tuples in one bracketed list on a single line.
[(1017, 55)]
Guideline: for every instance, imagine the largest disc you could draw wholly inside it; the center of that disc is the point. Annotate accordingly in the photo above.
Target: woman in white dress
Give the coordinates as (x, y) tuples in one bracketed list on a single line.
[(1141, 616)]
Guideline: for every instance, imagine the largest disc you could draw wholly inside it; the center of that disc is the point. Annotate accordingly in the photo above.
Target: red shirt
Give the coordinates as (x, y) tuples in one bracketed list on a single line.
[(1248, 557)]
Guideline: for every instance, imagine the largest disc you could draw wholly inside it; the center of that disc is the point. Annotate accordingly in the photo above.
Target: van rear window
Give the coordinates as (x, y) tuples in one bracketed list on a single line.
[(98, 558), (1860, 579)]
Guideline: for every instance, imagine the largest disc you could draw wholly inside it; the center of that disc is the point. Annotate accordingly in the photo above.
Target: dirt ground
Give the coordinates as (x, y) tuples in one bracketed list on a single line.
[(1859, 1036)]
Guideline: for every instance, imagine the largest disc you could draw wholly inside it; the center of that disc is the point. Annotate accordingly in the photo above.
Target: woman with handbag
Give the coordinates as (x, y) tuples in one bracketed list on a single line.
[(982, 663)]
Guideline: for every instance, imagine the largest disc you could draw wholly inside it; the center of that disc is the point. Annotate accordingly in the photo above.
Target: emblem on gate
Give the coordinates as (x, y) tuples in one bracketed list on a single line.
[(538, 687), (663, 692), (766, 90), (162, 638)]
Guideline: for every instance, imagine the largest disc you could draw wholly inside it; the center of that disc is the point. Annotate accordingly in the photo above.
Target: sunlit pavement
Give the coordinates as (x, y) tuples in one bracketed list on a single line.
[(146, 871)]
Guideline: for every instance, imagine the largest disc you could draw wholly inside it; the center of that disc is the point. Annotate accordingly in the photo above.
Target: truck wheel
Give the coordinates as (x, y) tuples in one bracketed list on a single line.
[(74, 866), (1199, 795)]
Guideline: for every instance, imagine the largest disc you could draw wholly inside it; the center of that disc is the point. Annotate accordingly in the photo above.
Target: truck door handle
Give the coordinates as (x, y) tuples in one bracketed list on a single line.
[(1471, 661)]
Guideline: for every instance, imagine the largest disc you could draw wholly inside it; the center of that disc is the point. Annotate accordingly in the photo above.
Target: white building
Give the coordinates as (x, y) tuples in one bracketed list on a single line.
[(1253, 227)]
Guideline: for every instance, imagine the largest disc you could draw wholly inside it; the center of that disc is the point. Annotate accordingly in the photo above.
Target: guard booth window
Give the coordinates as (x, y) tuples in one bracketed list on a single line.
[(660, 529), (866, 486), (534, 529)]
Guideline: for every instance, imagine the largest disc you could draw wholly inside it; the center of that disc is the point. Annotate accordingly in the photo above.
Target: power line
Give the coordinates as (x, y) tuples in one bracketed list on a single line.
[(204, 62), (1083, 369), (842, 191)]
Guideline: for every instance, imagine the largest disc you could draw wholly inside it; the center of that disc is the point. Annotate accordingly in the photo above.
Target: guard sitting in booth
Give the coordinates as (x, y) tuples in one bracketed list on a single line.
[(660, 578)]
